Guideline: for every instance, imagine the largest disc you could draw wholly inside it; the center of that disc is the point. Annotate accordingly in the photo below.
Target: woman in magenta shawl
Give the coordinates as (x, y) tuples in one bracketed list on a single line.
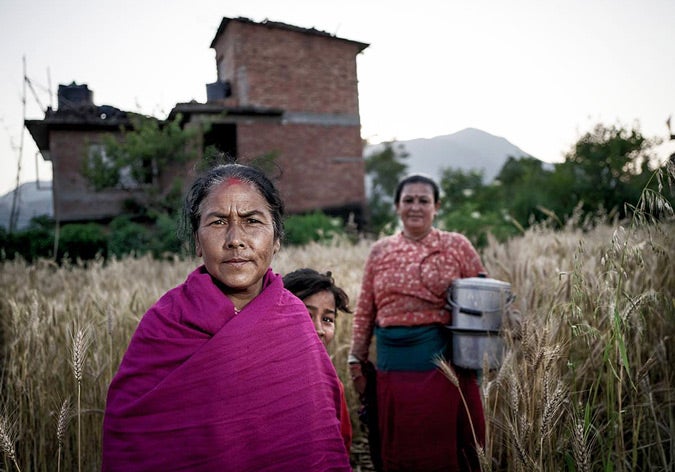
[(226, 372)]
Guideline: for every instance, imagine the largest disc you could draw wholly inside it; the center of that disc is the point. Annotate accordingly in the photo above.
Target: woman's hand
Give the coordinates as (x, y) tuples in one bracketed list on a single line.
[(358, 379)]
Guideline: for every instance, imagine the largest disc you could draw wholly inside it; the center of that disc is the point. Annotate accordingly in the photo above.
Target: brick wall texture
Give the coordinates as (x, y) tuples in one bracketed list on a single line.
[(296, 71)]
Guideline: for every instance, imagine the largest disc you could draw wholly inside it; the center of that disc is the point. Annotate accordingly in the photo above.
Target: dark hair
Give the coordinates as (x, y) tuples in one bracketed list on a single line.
[(205, 183), (304, 283), (416, 179)]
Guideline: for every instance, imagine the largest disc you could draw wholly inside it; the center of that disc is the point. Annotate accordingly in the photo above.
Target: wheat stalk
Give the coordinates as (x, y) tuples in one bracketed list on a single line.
[(552, 409), (580, 449), (449, 372), (522, 459), (61, 425), (483, 459), (553, 399), (514, 394), (7, 440), (79, 350)]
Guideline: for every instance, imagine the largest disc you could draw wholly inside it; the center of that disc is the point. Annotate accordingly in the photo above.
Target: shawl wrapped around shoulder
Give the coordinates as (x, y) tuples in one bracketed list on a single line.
[(201, 388)]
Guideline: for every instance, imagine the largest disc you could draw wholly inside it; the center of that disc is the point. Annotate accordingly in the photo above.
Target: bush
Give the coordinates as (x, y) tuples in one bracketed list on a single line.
[(34, 242), (164, 237), (127, 237), (476, 225), (315, 226), (123, 236), (157, 237), (82, 241)]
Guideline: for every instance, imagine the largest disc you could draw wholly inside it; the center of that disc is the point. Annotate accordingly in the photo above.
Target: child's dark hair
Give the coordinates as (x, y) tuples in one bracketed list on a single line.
[(306, 282)]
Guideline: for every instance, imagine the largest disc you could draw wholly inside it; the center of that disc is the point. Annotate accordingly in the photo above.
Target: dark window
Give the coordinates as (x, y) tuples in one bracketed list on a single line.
[(222, 137)]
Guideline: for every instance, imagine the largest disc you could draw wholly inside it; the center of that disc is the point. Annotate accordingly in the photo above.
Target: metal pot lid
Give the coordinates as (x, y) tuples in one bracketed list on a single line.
[(480, 282)]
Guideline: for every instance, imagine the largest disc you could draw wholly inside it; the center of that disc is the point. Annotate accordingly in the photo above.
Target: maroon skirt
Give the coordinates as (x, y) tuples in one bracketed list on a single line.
[(423, 423)]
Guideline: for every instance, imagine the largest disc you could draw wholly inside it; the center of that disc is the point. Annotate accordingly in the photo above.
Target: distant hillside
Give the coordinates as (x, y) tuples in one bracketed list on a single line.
[(467, 149), (33, 201)]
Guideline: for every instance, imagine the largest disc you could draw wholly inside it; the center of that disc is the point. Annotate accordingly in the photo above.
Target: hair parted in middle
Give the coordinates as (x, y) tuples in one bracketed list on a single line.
[(214, 176), (306, 282)]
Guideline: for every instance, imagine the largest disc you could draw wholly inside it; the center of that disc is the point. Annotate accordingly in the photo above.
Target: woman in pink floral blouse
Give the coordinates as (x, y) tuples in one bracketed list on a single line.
[(423, 425)]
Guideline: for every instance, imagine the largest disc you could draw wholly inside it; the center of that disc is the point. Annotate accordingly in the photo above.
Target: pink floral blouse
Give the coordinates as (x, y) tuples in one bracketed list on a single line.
[(405, 281)]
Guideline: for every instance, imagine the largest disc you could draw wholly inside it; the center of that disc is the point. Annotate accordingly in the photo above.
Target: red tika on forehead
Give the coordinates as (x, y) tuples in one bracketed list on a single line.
[(234, 181)]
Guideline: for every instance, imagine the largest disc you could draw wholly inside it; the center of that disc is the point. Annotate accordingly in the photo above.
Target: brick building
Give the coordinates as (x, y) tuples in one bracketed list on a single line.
[(66, 137), (281, 91)]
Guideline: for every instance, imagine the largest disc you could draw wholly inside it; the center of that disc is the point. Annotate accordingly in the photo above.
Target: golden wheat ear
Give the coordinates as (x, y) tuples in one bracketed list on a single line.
[(8, 439), (61, 426)]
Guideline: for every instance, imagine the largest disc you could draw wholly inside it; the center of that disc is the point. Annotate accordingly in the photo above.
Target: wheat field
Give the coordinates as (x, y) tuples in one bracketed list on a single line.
[(586, 383)]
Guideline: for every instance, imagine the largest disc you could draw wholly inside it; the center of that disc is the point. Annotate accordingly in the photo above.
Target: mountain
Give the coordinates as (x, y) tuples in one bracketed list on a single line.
[(468, 149), (34, 200)]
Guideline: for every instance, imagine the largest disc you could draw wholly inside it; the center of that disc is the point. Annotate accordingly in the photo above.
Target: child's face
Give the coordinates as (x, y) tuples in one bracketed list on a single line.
[(321, 307)]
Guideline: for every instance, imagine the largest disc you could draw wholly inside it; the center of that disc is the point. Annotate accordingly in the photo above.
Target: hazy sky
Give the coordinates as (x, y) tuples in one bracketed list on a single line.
[(538, 72)]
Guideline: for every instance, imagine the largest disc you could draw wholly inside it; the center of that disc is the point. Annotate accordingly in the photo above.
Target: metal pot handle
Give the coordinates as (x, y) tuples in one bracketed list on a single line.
[(470, 311)]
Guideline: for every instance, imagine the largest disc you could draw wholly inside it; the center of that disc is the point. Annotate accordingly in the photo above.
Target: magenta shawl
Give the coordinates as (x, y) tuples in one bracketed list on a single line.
[(201, 388)]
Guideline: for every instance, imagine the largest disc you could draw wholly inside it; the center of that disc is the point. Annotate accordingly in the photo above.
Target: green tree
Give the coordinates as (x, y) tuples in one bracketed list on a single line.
[(139, 159), (459, 187), (606, 169), (384, 169), (472, 208), (522, 189), (147, 160)]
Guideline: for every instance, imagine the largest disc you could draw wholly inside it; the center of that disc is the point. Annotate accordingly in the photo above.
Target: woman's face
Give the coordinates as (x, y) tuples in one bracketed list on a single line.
[(321, 307), (417, 209), (236, 238)]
